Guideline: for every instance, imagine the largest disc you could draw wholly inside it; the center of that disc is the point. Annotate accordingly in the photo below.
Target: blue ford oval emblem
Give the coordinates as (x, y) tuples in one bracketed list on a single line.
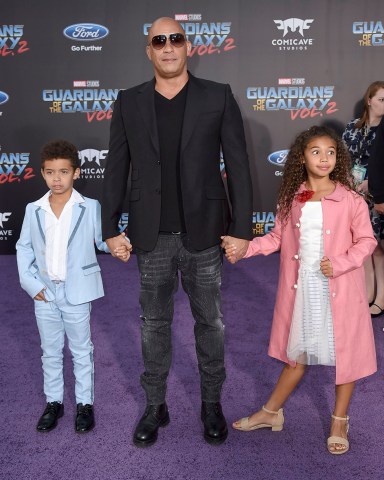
[(278, 158), (3, 97), (86, 32)]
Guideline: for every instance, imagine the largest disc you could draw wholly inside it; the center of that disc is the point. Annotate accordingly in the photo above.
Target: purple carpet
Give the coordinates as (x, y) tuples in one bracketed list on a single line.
[(107, 453)]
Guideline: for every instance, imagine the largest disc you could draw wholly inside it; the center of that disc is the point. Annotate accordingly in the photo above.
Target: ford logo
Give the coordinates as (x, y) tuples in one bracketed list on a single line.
[(278, 158), (86, 32), (3, 97)]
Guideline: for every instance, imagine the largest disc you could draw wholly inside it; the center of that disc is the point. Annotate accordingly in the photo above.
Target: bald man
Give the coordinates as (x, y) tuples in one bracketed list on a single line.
[(169, 132)]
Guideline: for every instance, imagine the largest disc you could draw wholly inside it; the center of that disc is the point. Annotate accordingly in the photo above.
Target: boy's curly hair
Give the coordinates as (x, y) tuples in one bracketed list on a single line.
[(295, 172), (60, 149)]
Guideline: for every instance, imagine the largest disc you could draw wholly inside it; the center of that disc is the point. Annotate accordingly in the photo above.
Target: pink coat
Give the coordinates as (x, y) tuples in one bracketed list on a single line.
[(348, 241)]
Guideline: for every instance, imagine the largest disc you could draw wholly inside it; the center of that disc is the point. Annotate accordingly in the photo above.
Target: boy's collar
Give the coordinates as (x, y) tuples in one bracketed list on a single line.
[(74, 198)]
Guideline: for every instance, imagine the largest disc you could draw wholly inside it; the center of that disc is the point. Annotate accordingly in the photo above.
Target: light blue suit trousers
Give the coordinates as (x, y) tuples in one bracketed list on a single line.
[(55, 319)]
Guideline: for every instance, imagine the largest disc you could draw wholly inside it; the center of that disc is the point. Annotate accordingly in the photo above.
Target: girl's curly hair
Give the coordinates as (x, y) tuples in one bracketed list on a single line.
[(295, 172)]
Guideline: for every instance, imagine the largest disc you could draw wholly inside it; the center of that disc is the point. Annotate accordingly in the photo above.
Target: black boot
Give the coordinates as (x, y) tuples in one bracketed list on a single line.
[(85, 418), (155, 416), (215, 426), (48, 421)]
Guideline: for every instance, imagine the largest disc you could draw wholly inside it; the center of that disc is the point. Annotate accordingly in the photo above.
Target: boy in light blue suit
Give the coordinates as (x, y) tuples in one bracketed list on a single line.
[(58, 268)]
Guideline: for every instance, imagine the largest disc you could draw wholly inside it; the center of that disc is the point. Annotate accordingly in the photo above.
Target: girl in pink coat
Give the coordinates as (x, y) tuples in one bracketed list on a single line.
[(321, 314)]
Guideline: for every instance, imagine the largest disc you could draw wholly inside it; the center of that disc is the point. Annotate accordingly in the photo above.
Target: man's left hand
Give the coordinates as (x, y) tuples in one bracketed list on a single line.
[(238, 247)]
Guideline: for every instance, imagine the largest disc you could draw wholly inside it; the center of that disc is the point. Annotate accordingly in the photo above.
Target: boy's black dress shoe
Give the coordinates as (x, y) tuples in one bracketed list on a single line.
[(48, 421), (155, 416), (85, 419), (215, 426)]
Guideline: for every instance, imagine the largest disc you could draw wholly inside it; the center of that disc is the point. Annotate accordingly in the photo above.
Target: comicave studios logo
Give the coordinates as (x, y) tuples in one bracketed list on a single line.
[(90, 163), (4, 234), (86, 32), (294, 33)]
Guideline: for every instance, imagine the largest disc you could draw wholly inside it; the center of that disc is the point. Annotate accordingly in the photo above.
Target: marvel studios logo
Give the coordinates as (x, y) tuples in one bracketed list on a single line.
[(86, 83), (291, 81), (182, 17)]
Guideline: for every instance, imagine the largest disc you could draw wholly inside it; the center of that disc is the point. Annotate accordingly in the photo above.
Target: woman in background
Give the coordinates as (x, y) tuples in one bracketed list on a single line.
[(359, 137)]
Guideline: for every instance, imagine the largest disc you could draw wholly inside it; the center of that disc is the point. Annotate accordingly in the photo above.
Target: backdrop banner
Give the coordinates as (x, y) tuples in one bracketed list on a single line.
[(290, 63)]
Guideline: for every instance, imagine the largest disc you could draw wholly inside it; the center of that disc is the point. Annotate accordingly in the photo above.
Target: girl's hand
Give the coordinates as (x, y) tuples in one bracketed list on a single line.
[(326, 267), (230, 253), (230, 249)]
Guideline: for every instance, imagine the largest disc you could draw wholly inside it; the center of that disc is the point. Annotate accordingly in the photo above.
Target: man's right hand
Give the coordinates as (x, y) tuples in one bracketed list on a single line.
[(120, 247)]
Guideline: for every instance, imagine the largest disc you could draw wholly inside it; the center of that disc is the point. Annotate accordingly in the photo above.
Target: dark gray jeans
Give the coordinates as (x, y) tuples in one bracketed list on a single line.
[(201, 280)]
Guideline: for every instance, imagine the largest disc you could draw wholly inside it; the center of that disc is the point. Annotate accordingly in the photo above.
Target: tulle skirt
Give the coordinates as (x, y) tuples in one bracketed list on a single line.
[(311, 339)]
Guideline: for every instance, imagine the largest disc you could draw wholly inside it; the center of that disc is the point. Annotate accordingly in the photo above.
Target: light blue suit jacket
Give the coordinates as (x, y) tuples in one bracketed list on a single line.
[(83, 279)]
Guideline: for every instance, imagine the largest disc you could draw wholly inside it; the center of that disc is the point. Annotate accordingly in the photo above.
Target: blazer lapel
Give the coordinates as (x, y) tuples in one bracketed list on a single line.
[(193, 107), (40, 218), (146, 104), (78, 211)]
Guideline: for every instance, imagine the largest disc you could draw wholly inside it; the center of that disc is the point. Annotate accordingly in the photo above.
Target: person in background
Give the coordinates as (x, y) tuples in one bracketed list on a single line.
[(359, 137), (321, 316), (376, 162), (58, 268)]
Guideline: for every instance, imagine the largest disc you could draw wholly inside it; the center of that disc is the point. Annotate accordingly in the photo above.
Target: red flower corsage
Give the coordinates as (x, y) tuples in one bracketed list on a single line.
[(305, 195)]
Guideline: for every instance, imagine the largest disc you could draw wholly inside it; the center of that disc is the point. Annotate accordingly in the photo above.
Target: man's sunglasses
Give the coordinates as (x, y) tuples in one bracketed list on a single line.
[(176, 39)]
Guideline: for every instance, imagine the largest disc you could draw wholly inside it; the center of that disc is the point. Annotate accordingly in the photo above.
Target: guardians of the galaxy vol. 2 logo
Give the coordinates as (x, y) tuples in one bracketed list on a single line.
[(291, 94)]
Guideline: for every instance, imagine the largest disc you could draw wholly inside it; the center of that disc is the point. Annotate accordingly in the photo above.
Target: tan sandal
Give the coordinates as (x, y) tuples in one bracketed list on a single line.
[(339, 440), (276, 426)]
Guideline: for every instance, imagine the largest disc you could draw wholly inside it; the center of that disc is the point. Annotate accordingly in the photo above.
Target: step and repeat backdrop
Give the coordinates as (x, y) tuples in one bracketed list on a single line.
[(291, 64)]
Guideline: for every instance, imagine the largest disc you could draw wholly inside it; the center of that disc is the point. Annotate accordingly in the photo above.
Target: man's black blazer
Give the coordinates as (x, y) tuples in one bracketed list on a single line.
[(212, 119)]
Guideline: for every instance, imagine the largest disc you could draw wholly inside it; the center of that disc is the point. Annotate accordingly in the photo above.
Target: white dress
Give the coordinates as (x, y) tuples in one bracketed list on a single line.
[(311, 339)]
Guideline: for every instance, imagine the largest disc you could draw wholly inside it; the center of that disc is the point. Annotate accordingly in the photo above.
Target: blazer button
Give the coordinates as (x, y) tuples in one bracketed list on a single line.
[(295, 286), (333, 294), (327, 232), (298, 225), (296, 257)]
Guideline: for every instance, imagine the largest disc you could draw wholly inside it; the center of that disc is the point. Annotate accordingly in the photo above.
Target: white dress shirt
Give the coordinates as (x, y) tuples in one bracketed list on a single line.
[(57, 235)]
